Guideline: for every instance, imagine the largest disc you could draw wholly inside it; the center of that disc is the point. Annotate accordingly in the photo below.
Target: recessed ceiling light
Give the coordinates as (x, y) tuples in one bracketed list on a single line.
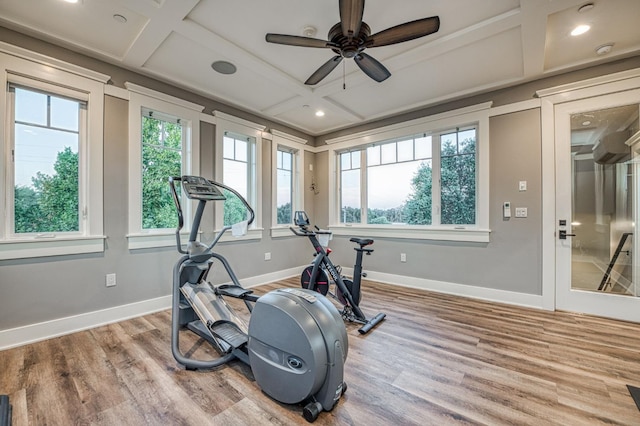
[(120, 18), (586, 123), (604, 49), (72, 1), (580, 29), (319, 113), (224, 67)]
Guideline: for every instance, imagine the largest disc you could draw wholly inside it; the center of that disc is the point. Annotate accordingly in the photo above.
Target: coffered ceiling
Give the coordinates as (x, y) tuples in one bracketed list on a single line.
[(480, 46)]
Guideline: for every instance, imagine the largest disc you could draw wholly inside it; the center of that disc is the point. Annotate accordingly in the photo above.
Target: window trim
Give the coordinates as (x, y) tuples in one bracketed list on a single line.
[(477, 115), (228, 123), (141, 98), (296, 146), (34, 70)]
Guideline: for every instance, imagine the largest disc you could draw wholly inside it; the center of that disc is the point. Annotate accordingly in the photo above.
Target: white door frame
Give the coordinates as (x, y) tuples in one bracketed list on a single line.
[(614, 83)]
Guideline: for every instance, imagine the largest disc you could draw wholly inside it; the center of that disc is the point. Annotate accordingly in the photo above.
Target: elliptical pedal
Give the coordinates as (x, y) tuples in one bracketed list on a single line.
[(228, 332)]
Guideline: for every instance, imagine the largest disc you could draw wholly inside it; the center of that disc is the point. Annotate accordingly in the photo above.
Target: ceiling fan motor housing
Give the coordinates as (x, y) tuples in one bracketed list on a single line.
[(345, 46)]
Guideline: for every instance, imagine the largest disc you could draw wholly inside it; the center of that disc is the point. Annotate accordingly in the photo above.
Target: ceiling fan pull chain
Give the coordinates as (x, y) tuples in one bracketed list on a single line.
[(344, 76)]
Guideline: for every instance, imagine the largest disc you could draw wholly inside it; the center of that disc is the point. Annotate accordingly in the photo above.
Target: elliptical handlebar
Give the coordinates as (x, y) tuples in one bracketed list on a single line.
[(202, 201)]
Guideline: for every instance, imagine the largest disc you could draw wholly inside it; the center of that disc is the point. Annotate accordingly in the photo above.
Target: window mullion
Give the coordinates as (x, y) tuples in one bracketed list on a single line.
[(364, 210), (436, 180)]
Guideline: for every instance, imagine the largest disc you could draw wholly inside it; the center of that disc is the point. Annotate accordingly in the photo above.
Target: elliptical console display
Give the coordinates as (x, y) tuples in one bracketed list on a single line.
[(295, 343)]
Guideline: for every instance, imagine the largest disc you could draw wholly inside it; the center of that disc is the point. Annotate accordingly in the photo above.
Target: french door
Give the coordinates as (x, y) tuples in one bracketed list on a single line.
[(597, 157)]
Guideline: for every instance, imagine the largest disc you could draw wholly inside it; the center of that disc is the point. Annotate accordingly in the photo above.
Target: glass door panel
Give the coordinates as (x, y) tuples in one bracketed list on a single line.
[(602, 195)]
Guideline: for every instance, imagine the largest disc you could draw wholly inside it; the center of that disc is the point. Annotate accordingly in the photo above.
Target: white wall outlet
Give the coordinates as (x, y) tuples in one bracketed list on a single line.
[(403, 257), (521, 212), (267, 256), (522, 185), (110, 280)]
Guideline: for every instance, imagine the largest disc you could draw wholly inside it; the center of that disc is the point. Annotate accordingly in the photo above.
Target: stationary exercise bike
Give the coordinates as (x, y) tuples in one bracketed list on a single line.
[(316, 276), (295, 343)]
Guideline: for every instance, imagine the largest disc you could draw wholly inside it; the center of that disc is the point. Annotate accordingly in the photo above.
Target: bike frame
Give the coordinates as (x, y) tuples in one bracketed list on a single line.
[(322, 259)]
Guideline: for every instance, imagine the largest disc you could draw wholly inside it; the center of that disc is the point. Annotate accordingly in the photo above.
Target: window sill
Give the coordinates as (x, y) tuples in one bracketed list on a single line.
[(154, 240), (160, 239), (281, 231), (474, 235), (252, 234), (29, 248)]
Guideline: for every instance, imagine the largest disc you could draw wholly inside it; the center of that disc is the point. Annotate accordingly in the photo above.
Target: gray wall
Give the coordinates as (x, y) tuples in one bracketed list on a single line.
[(37, 290), (512, 259), (42, 289)]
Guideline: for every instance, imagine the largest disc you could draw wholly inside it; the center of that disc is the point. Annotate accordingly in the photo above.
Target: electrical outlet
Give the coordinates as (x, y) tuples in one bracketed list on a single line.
[(267, 256), (403, 257), (110, 280)]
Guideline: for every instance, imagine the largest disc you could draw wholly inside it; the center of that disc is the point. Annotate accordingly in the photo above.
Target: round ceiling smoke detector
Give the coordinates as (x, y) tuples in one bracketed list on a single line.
[(309, 31), (224, 67), (586, 7), (604, 49)]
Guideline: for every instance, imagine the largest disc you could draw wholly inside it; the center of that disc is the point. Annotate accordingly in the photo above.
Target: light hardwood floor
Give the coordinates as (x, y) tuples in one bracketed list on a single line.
[(437, 359)]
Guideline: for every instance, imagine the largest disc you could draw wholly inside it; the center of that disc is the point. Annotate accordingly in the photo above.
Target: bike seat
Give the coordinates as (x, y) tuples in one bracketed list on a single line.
[(362, 241)]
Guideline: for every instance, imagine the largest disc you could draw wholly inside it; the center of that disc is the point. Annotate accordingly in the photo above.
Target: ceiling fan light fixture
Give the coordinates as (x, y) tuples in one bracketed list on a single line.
[(224, 67)]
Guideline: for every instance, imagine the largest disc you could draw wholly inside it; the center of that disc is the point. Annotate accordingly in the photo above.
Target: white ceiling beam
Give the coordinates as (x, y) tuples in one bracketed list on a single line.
[(162, 21)]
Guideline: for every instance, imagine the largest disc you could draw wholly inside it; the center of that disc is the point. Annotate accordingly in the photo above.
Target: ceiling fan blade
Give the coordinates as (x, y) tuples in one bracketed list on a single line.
[(405, 32), (292, 40), (351, 12), (324, 70), (372, 67)]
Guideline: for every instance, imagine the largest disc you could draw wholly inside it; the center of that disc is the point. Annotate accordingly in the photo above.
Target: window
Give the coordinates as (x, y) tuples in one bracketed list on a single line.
[(239, 171), (401, 181), (350, 187), (162, 146), (238, 156), (47, 135), (284, 186), (163, 141), (288, 166), (51, 192), (430, 184)]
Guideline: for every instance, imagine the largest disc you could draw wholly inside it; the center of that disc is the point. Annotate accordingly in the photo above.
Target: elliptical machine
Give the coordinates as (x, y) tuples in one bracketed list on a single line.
[(295, 343), (316, 276)]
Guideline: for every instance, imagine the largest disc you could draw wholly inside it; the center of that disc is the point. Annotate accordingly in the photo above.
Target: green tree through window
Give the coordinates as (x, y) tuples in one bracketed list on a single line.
[(161, 158)]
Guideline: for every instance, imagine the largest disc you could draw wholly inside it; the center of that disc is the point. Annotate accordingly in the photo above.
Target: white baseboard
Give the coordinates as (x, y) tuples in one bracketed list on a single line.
[(271, 277), (58, 327), (482, 293), (32, 333)]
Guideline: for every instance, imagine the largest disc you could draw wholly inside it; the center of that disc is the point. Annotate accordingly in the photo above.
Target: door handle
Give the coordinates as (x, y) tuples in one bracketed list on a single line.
[(562, 234)]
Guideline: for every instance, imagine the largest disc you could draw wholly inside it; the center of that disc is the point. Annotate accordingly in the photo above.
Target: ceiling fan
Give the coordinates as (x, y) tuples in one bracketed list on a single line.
[(350, 37)]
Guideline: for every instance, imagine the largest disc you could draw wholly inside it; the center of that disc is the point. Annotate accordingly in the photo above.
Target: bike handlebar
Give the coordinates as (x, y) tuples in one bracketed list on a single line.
[(306, 233)]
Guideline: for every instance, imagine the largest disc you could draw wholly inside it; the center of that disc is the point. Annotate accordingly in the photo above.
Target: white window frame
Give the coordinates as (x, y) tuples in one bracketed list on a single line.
[(37, 71), (294, 145), (141, 98), (228, 123), (476, 115)]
